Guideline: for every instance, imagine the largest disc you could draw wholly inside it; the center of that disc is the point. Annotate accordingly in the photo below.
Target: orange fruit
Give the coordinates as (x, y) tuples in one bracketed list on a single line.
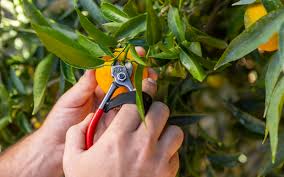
[(253, 13), (103, 74)]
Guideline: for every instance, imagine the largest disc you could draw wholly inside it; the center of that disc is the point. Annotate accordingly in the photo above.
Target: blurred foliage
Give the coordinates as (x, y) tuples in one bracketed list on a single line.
[(221, 115)]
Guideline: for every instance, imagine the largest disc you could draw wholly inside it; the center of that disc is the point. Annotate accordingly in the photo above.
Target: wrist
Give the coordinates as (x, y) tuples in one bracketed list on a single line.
[(49, 144), (47, 154)]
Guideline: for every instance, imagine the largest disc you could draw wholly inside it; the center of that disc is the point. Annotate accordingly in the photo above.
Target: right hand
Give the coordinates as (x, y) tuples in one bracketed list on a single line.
[(127, 148)]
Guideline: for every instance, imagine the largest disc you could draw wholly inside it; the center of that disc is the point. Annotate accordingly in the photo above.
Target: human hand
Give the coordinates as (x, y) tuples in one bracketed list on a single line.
[(127, 147), (83, 98)]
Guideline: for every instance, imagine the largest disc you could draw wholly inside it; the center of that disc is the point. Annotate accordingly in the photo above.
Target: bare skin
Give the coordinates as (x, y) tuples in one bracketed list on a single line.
[(41, 153), (127, 147)]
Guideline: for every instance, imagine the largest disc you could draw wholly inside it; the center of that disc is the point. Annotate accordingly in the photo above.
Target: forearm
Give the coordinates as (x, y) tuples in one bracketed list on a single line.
[(34, 156)]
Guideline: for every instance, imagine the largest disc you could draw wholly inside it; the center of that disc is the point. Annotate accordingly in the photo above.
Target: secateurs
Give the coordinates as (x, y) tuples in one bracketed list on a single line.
[(121, 74), (121, 78)]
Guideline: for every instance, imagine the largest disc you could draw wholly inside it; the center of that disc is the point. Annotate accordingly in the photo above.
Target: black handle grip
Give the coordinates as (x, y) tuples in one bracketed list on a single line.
[(128, 98)]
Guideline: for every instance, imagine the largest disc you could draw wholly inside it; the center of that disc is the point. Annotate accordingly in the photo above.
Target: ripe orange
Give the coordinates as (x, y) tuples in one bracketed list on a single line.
[(253, 13), (103, 74)]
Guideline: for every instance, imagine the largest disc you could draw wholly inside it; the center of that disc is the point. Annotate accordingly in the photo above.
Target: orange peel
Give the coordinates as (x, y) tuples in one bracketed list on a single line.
[(253, 13), (103, 74)]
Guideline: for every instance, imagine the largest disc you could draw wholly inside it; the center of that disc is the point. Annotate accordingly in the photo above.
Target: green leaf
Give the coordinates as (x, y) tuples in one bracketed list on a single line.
[(195, 47), (252, 37), (189, 62), (175, 69), (112, 26), (98, 36), (194, 50), (138, 77), (17, 82), (136, 57), (170, 54), (67, 72), (281, 44), (132, 27), (274, 69), (175, 24), (41, 77), (244, 2), (153, 31), (225, 160), (268, 166), (272, 75), (93, 10), (94, 49), (4, 101), (250, 122), (274, 114), (78, 52), (4, 122), (34, 14), (113, 13), (211, 41), (130, 8), (271, 5), (166, 55), (195, 35), (24, 123), (7, 135)]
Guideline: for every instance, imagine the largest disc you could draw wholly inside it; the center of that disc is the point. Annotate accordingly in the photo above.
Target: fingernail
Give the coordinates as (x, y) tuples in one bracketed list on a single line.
[(140, 50)]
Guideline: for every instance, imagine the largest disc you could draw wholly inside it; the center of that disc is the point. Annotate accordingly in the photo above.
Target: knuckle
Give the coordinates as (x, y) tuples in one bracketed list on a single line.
[(148, 141), (149, 85), (147, 145), (119, 138), (127, 108), (71, 130)]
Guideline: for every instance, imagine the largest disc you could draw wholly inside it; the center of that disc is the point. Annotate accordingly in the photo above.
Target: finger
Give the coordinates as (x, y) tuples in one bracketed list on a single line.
[(79, 94), (103, 124), (170, 141), (75, 137), (153, 74), (140, 51), (174, 164), (155, 121), (128, 119), (149, 86), (99, 93)]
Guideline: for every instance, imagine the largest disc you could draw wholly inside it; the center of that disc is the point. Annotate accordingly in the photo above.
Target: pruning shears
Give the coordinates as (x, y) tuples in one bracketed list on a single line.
[(121, 74)]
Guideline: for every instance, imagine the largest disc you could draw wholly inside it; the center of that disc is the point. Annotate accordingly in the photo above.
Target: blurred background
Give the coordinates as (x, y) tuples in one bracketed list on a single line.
[(221, 117)]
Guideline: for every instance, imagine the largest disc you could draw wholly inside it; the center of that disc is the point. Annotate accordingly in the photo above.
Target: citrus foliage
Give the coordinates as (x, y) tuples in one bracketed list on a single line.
[(209, 54)]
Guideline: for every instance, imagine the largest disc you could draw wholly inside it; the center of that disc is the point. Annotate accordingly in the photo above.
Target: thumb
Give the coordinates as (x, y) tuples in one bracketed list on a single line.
[(75, 136), (79, 94)]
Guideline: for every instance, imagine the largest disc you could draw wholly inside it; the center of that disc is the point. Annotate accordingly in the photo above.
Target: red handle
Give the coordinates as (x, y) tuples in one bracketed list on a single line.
[(92, 128)]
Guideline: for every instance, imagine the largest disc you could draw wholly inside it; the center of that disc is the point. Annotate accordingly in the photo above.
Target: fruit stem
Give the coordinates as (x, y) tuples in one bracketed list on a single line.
[(116, 57), (126, 52)]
